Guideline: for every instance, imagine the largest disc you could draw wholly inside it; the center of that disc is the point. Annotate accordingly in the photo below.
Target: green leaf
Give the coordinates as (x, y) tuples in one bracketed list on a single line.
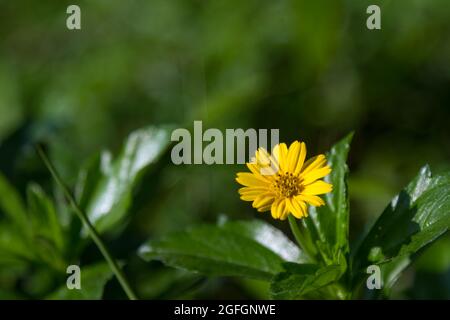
[(15, 230), (47, 232), (415, 218), (88, 177), (436, 259), (43, 216), (13, 246), (304, 280), (328, 224), (215, 251), (12, 205), (167, 283), (112, 196), (93, 280), (268, 236)]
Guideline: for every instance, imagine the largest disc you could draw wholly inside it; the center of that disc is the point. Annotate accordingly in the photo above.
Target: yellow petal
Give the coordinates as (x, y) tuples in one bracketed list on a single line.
[(262, 156), (273, 208), (305, 208), (297, 208), (250, 180), (263, 200), (293, 153), (256, 170), (282, 209), (312, 200), (318, 187), (268, 165), (264, 208), (280, 153), (252, 190), (315, 174), (285, 215), (314, 163), (250, 193), (278, 208), (248, 197), (301, 158)]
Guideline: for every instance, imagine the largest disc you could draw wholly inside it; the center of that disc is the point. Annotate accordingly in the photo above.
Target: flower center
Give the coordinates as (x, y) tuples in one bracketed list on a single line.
[(287, 185)]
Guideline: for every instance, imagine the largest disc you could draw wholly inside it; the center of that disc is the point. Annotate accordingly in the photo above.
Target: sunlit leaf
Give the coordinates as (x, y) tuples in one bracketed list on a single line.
[(112, 196), (268, 236), (415, 218)]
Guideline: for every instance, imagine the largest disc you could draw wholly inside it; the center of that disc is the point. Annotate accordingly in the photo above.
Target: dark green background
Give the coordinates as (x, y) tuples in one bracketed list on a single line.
[(310, 68)]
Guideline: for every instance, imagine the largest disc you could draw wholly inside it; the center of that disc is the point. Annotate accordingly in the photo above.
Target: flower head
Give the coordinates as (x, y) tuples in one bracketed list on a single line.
[(283, 182)]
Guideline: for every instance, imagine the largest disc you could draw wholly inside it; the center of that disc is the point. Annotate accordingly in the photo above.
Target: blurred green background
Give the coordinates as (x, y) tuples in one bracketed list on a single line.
[(310, 68)]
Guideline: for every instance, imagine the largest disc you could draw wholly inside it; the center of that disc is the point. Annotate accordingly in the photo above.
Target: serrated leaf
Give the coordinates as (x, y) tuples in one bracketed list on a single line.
[(415, 218), (328, 224), (112, 196), (93, 280), (215, 251), (301, 280)]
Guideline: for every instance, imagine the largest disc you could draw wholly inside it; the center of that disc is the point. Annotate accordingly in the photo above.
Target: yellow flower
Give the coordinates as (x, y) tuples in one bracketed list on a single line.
[(283, 182)]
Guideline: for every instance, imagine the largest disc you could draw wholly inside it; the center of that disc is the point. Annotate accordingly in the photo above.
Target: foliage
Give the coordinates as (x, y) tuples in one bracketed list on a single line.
[(44, 233), (414, 218), (231, 64), (36, 233)]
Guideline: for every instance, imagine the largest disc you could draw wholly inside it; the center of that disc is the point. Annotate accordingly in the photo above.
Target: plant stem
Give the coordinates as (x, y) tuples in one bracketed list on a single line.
[(91, 230), (300, 238)]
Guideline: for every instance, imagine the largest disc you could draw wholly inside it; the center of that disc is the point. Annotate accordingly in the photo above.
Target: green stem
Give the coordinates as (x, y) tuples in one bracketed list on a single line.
[(92, 232), (300, 238)]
